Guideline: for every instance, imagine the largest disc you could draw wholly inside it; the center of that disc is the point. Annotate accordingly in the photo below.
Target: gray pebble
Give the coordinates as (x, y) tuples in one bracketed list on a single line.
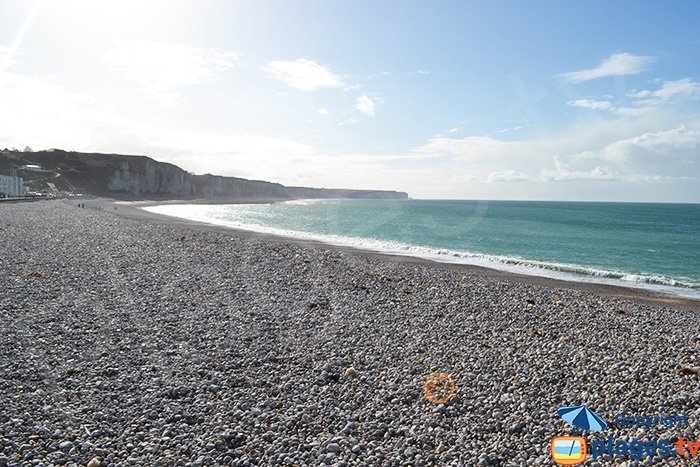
[(225, 348)]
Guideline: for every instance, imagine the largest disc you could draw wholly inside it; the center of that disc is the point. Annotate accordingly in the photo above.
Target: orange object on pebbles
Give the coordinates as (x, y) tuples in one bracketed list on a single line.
[(439, 388)]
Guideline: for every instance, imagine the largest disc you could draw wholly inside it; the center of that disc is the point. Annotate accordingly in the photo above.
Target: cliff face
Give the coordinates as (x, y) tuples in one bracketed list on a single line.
[(214, 186), (140, 177), (150, 178)]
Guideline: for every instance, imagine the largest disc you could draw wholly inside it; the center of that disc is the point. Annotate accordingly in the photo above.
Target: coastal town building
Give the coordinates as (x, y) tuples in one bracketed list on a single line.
[(32, 168), (11, 186)]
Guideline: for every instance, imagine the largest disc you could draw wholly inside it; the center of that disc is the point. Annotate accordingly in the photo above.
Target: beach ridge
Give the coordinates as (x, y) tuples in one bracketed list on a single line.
[(142, 340)]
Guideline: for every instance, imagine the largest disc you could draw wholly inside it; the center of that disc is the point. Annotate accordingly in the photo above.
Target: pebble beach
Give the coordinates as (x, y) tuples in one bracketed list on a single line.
[(126, 342)]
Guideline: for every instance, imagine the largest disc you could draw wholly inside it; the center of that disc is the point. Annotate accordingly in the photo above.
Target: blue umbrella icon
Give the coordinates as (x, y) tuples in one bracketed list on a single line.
[(582, 417)]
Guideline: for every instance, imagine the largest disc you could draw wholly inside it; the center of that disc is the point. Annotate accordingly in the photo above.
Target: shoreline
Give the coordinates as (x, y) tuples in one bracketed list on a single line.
[(133, 210), (146, 340), (151, 202)]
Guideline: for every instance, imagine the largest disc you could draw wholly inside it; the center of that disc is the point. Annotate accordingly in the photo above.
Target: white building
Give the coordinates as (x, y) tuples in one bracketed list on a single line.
[(11, 186), (32, 168)]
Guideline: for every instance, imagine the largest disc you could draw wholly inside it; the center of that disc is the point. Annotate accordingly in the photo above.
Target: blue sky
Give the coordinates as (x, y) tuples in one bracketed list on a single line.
[(489, 100)]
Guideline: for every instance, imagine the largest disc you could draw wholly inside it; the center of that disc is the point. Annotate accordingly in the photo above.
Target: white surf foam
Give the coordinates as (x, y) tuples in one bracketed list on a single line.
[(680, 287)]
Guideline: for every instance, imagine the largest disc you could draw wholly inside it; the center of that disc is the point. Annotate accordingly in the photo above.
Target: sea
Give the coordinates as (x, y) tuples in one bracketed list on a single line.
[(646, 245)]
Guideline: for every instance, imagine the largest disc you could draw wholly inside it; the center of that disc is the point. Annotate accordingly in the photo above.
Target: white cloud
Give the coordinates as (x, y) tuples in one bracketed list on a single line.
[(420, 72), (507, 176), (39, 113), (639, 94), (303, 74), (161, 68), (590, 104), (657, 179), (562, 173), (7, 55), (685, 87), (42, 114), (621, 151), (632, 111), (470, 148), (660, 142), (365, 105), (662, 163), (323, 111), (513, 128), (621, 64), (646, 101)]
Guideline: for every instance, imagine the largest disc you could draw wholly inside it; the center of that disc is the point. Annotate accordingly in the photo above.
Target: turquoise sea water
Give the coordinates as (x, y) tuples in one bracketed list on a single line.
[(646, 245)]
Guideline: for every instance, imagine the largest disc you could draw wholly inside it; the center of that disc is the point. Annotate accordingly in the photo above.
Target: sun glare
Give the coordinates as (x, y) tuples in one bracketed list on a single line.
[(87, 13)]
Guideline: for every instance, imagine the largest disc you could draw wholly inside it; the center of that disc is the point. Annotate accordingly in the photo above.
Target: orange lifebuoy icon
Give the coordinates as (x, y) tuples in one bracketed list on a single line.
[(439, 388)]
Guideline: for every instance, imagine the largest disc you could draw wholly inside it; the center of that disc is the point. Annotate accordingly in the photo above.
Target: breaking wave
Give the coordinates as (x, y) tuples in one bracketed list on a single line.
[(684, 287)]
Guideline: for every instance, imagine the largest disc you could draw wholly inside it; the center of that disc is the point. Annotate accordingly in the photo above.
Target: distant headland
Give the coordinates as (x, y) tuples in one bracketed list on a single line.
[(140, 177)]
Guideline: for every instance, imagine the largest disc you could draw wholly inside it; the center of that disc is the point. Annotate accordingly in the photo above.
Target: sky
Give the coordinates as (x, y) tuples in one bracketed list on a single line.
[(538, 100)]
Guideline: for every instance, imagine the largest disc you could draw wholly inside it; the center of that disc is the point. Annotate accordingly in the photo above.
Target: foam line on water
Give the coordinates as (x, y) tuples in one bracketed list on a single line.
[(682, 287)]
